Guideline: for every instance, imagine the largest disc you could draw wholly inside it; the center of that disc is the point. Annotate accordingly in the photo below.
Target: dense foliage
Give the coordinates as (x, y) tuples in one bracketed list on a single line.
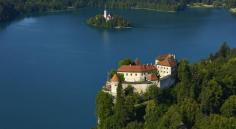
[(203, 98), (9, 9), (230, 3), (100, 22)]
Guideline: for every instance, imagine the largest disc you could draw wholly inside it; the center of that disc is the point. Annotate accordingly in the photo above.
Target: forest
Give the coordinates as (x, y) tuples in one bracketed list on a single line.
[(10, 9), (204, 97)]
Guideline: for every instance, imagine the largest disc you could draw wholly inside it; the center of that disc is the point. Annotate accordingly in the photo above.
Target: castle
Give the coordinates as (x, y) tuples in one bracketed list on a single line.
[(141, 76)]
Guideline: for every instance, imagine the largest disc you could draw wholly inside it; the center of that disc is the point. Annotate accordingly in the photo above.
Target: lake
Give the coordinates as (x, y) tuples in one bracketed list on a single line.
[(52, 66)]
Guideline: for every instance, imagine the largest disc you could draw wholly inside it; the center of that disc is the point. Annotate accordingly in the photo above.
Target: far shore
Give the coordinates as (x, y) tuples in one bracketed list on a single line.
[(200, 5), (62, 10), (150, 9)]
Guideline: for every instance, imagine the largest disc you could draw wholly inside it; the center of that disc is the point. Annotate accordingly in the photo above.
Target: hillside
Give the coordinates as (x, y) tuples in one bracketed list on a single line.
[(203, 98), (10, 9)]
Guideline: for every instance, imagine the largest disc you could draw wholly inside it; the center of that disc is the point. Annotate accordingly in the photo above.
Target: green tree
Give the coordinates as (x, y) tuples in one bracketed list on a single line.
[(223, 51), (230, 3), (184, 90), (125, 61), (228, 109), (152, 92), (121, 113), (171, 119), (121, 77), (151, 116), (211, 97), (104, 104), (111, 73), (189, 110), (129, 106), (184, 73), (216, 122), (134, 125), (129, 90)]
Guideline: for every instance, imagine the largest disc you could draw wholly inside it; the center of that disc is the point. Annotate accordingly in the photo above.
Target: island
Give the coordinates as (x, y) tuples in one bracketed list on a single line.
[(170, 94), (108, 21)]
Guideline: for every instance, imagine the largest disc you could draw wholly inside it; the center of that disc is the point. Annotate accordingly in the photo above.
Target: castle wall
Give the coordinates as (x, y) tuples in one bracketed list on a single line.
[(133, 77)]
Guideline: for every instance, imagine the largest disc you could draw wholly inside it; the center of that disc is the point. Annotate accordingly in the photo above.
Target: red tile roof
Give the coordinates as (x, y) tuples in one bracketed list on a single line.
[(169, 63), (163, 57), (137, 68), (115, 78), (152, 77), (167, 60)]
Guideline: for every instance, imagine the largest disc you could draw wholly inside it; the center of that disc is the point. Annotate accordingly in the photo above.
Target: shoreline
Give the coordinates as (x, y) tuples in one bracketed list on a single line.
[(200, 5), (233, 10), (149, 9), (60, 10), (116, 22), (193, 6), (121, 27), (68, 9)]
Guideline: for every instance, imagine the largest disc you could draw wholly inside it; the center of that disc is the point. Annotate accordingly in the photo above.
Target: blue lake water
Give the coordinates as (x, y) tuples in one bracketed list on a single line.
[(52, 66)]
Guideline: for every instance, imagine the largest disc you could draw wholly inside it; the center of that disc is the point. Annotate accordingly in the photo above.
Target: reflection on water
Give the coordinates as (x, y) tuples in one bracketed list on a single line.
[(27, 21), (105, 36)]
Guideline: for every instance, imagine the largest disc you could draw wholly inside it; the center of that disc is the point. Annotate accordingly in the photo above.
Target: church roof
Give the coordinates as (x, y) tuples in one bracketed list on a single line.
[(164, 56), (137, 68), (115, 78), (167, 60)]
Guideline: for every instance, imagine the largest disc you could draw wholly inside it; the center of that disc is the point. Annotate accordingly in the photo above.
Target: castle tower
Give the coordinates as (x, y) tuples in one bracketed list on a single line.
[(114, 84)]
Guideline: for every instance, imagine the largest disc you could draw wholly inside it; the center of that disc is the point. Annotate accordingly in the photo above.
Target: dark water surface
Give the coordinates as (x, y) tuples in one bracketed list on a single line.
[(52, 66)]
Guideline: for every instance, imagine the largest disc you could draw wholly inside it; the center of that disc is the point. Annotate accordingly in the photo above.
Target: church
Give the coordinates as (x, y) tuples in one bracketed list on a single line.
[(107, 16)]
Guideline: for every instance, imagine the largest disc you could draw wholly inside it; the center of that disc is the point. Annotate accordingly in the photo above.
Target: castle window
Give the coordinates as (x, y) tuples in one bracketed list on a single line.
[(136, 74)]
